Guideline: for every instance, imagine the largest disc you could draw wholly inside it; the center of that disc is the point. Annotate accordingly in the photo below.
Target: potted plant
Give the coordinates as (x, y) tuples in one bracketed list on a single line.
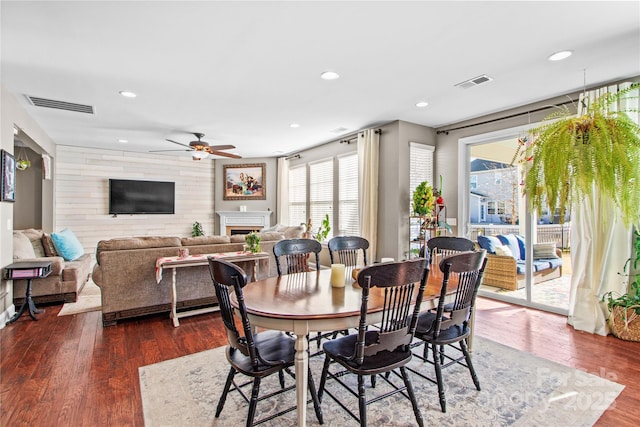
[(323, 230), (321, 234), (423, 199), (624, 318), (196, 229), (253, 242), (570, 155)]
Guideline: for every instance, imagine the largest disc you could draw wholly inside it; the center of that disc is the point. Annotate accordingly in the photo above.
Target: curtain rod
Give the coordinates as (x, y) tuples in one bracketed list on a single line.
[(295, 156), (546, 107), (355, 137)]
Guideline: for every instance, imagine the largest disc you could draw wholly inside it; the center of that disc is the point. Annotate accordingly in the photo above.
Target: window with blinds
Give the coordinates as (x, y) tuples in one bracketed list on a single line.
[(349, 220), (420, 166), (298, 195), (321, 193)]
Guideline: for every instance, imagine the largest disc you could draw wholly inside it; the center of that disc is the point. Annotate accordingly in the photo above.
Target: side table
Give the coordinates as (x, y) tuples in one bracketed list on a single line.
[(28, 271)]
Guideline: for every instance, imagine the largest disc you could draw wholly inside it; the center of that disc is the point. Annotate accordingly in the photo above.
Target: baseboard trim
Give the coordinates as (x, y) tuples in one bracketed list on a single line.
[(6, 315)]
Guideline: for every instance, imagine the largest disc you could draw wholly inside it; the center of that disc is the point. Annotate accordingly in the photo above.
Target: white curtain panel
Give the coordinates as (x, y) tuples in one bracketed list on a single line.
[(600, 244), (368, 161), (283, 191)]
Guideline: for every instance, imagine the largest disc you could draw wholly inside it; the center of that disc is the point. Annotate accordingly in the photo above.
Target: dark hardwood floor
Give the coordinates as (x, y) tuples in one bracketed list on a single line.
[(70, 371)]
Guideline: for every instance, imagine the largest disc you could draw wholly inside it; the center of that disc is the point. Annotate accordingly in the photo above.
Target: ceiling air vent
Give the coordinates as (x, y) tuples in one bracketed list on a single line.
[(474, 81), (339, 130), (60, 105)]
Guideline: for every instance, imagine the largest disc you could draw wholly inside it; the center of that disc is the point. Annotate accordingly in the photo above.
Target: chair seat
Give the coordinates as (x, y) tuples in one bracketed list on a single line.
[(273, 346), (424, 330), (341, 349)]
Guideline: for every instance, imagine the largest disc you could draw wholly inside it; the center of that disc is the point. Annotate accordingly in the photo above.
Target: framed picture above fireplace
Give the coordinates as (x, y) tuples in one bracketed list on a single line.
[(245, 182)]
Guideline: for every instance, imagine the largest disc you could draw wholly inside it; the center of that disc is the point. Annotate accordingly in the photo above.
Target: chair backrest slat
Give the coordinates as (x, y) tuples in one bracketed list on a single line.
[(398, 279), (447, 246), (345, 250), (469, 268), (294, 253)]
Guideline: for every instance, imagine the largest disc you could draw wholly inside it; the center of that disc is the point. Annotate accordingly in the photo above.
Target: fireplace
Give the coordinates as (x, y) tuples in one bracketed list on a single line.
[(234, 230), (237, 222)]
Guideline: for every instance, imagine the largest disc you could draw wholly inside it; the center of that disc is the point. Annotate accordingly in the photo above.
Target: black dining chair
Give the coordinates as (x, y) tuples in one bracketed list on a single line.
[(345, 250), (254, 355), (292, 255), (449, 323), (442, 246), (383, 350)]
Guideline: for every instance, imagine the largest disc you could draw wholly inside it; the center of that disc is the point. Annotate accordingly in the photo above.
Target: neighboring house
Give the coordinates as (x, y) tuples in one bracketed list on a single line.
[(494, 193), (477, 207)]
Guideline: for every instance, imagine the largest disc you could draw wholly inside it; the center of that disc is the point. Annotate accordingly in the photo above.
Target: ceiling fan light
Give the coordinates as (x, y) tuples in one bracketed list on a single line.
[(199, 155)]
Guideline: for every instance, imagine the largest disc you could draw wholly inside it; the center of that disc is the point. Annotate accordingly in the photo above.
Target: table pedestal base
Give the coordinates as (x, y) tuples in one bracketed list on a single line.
[(28, 303)]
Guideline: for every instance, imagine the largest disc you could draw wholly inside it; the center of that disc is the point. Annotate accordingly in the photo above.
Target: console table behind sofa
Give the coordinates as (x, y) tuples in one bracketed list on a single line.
[(125, 273)]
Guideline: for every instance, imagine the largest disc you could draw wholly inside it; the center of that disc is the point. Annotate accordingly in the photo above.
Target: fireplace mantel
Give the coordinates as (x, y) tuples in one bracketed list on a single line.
[(238, 220)]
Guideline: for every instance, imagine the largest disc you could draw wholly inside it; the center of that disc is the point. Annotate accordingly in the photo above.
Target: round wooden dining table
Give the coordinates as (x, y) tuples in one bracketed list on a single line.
[(302, 303)]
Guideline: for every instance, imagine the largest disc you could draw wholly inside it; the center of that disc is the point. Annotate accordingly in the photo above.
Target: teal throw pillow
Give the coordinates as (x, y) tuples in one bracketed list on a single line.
[(67, 245)]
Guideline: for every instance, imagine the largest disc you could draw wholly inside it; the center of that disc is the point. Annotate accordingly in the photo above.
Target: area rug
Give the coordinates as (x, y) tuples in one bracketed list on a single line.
[(518, 389), (89, 299)]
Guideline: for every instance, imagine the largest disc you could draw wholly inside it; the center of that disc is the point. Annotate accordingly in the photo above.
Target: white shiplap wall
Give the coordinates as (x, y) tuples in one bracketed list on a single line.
[(82, 199)]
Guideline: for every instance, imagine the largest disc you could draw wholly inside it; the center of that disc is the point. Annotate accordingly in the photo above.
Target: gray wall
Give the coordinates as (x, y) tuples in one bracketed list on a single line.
[(27, 210), (393, 198)]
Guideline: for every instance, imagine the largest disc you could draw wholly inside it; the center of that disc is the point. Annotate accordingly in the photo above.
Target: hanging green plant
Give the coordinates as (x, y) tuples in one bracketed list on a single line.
[(571, 155), (423, 199)]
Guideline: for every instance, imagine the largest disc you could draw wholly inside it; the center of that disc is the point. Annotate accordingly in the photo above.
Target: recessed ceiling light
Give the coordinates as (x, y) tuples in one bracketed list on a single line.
[(278, 152), (123, 141), (559, 56), (294, 125), (422, 104), (329, 75), (127, 94)]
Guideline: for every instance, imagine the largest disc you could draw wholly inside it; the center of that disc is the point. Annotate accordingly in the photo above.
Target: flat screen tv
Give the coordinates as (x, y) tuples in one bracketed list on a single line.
[(141, 197)]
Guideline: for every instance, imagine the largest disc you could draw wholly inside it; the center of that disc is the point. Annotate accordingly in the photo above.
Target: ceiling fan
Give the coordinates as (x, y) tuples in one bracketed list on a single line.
[(201, 149)]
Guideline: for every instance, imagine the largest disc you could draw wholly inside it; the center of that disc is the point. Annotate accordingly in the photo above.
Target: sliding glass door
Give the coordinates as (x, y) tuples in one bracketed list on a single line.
[(530, 263)]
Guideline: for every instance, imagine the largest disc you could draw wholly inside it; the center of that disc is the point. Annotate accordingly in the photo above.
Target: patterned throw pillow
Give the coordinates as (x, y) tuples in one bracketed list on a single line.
[(544, 250), (47, 244), (489, 243)]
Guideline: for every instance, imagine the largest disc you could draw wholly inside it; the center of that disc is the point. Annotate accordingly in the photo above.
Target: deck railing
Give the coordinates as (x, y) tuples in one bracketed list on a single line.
[(546, 233)]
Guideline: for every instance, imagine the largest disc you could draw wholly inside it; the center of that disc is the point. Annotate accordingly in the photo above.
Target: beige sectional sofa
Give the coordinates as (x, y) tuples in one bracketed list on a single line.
[(67, 278), (125, 272)]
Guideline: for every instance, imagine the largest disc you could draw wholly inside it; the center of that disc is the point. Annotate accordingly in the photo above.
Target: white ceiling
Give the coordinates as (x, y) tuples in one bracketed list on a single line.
[(242, 72)]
